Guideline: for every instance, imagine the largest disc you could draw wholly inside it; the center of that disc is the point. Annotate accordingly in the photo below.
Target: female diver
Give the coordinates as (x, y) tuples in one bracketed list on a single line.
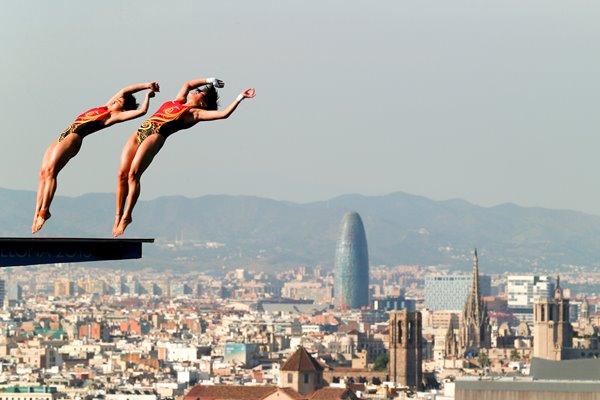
[(187, 109), (121, 107)]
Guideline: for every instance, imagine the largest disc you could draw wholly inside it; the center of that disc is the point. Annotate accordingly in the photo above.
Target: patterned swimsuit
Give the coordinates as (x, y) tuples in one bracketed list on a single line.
[(85, 123), (168, 113)]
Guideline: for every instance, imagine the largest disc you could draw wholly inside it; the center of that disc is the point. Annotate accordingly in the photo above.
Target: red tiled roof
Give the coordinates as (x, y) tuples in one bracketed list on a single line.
[(292, 393), (223, 392), (301, 361), (329, 393)]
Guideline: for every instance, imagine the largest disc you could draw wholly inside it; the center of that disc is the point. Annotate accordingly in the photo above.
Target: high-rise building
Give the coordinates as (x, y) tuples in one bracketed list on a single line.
[(523, 290), (352, 264), (450, 292), (179, 289), (2, 292), (14, 293), (64, 288)]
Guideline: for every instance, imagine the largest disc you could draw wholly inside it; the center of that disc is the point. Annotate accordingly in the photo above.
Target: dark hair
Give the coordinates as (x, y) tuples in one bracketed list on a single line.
[(211, 97), (129, 102)]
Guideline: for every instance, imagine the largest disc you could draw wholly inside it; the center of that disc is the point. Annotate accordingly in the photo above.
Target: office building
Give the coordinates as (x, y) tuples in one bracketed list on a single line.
[(352, 264), (64, 288), (450, 292), (2, 291), (14, 293), (523, 290)]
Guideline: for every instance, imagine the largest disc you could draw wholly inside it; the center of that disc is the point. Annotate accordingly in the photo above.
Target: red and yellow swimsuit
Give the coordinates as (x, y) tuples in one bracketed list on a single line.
[(84, 125), (169, 112)]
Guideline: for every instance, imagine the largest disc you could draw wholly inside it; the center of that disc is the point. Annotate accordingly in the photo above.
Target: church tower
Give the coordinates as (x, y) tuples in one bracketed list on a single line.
[(475, 327), (406, 354), (301, 372), (552, 332)]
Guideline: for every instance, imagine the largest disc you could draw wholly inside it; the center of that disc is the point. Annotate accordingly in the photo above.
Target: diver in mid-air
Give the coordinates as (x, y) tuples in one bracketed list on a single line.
[(196, 101), (121, 107)]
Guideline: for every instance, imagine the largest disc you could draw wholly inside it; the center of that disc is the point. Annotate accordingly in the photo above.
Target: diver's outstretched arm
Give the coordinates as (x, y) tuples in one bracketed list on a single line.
[(131, 114), (206, 115), (191, 85), (134, 89)]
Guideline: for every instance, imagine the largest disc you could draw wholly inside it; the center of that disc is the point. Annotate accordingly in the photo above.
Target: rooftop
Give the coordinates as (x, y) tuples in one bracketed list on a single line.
[(301, 361)]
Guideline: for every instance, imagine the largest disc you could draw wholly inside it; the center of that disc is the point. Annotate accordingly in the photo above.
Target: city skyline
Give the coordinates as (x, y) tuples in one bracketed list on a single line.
[(229, 335)]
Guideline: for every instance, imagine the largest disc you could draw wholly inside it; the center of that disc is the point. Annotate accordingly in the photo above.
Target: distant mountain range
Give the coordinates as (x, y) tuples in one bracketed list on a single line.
[(218, 231)]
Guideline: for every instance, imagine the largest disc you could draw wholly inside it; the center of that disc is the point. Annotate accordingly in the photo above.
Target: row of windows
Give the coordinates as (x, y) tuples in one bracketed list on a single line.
[(290, 378), (24, 398), (451, 278)]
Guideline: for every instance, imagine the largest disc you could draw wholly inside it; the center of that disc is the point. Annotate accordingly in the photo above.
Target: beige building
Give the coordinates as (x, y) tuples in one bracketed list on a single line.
[(316, 291), (133, 395), (64, 288), (36, 354)]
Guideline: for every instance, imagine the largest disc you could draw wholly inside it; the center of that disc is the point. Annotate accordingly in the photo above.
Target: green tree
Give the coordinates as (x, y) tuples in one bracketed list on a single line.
[(514, 355), (483, 358), (381, 363)]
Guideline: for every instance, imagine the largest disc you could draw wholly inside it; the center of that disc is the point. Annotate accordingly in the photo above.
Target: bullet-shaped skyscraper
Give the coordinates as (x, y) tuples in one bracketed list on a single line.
[(351, 267)]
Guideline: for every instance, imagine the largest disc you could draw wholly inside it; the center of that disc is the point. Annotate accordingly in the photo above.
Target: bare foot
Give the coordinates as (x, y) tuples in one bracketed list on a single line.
[(122, 225), (41, 218), (34, 223), (116, 225)]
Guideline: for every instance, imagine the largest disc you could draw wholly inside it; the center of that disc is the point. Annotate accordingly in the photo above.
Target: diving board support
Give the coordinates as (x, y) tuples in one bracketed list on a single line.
[(32, 251)]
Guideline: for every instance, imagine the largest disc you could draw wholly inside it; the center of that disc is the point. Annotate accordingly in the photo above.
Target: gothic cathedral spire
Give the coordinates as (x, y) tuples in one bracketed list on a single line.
[(475, 326)]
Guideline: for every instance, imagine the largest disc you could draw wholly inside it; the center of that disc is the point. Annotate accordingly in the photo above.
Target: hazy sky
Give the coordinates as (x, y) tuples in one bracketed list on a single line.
[(490, 101)]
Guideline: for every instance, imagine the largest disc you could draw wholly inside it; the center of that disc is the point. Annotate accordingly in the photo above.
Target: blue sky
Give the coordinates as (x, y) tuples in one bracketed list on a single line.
[(491, 102)]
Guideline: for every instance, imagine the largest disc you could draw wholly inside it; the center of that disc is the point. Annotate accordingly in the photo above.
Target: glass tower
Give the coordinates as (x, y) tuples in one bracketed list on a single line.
[(450, 292), (352, 264)]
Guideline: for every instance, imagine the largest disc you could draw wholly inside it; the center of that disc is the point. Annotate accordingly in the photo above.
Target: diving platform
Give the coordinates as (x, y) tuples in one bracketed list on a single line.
[(45, 250)]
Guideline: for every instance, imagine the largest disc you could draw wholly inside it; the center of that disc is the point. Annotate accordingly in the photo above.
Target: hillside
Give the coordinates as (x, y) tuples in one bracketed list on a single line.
[(401, 229)]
